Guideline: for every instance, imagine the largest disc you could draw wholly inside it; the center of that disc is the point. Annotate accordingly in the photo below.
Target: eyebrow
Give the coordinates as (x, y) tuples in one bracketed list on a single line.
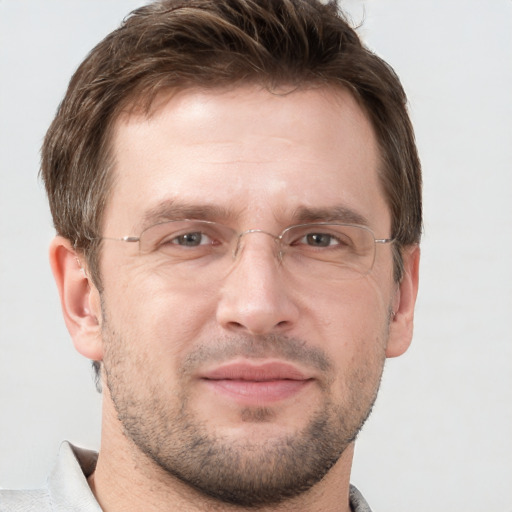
[(173, 210), (168, 210), (338, 213)]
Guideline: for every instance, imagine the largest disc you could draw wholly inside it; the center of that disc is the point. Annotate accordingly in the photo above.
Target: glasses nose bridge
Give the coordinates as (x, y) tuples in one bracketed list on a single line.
[(275, 238)]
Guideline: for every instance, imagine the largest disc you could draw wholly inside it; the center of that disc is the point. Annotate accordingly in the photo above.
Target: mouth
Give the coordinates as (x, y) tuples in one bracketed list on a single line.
[(251, 383)]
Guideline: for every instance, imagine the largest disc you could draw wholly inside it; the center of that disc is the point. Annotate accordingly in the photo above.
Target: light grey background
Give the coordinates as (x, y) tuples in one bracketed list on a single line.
[(440, 437)]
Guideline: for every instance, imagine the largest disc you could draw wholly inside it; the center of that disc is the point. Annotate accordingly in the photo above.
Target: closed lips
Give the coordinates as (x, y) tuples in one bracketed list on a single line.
[(257, 384), (256, 372)]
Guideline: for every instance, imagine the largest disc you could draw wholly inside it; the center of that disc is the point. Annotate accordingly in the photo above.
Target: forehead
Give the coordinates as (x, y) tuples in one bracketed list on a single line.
[(246, 152)]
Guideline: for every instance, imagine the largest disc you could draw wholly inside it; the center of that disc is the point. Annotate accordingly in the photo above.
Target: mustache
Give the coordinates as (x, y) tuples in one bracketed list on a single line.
[(254, 347)]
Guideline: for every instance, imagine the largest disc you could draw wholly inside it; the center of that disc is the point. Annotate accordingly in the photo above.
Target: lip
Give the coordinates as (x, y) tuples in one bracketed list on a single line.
[(256, 383)]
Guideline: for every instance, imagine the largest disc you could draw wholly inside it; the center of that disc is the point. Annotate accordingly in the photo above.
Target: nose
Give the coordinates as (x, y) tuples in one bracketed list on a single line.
[(255, 298)]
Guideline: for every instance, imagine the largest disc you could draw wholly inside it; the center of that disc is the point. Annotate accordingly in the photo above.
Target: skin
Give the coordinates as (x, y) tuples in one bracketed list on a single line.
[(257, 158)]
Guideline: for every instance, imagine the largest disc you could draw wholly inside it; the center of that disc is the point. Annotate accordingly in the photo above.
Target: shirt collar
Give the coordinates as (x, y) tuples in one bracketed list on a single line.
[(67, 483)]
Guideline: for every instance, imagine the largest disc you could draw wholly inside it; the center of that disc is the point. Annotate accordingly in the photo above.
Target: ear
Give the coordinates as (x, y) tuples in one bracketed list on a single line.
[(79, 297), (401, 326)]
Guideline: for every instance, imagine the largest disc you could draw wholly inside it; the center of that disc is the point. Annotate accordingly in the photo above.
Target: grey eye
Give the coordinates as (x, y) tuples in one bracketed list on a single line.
[(191, 239), (319, 239)]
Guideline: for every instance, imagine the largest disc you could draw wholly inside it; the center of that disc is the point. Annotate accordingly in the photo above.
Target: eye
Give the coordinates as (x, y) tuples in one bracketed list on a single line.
[(185, 239), (193, 239), (319, 240)]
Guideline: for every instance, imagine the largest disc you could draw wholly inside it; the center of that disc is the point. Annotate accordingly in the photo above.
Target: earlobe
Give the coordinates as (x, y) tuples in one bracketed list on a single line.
[(79, 297), (402, 321)]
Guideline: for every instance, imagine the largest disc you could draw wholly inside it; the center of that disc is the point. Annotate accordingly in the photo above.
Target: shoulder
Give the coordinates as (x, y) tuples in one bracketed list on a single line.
[(25, 501)]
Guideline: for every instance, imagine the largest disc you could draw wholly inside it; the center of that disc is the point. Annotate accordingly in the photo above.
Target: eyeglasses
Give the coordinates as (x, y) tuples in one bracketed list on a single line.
[(200, 248)]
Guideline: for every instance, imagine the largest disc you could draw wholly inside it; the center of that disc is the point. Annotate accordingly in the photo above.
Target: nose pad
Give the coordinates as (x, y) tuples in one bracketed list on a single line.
[(277, 243)]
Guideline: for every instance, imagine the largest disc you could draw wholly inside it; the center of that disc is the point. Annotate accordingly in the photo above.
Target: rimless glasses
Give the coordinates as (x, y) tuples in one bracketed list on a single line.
[(195, 248)]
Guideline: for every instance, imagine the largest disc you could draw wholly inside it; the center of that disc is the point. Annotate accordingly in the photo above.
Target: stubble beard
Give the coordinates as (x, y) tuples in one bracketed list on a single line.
[(239, 471)]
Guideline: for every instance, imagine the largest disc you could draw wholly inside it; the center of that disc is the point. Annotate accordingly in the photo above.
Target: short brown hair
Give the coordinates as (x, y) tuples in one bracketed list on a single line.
[(172, 44)]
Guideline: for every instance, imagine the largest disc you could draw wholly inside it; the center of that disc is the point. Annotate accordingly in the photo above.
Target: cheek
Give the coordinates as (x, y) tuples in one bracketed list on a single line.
[(158, 322), (351, 309), (351, 325), (358, 345)]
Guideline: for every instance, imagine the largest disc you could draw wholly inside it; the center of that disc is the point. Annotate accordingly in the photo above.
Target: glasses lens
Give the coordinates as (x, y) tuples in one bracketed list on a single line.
[(187, 240), (334, 250)]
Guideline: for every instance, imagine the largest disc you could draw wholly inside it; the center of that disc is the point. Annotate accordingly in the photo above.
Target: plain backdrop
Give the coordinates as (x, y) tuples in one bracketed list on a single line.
[(440, 437)]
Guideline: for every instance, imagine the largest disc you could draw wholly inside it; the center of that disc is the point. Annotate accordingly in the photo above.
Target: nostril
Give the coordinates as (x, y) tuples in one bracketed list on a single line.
[(235, 325)]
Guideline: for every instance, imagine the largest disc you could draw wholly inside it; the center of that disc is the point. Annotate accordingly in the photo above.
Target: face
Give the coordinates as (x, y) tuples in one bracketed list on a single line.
[(247, 386)]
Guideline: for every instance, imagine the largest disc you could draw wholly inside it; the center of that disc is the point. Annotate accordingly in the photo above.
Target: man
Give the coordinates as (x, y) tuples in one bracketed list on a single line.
[(236, 192)]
